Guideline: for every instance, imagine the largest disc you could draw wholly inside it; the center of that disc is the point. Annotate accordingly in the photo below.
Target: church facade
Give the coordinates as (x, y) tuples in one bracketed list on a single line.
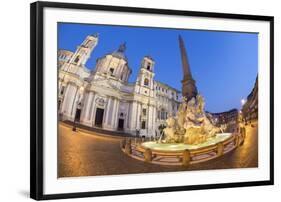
[(105, 98)]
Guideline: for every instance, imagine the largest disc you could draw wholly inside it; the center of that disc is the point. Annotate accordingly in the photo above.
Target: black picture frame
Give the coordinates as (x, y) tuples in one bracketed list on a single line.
[(37, 101)]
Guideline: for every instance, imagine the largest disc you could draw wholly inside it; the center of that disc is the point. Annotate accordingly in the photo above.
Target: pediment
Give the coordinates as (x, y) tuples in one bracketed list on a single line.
[(105, 83)]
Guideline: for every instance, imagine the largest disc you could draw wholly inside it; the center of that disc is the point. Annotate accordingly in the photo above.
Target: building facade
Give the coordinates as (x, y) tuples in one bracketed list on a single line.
[(250, 108), (227, 120), (105, 98), (227, 117)]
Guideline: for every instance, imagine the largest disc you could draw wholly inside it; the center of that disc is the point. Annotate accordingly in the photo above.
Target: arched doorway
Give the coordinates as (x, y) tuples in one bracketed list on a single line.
[(99, 117), (121, 124), (121, 121), (78, 113)]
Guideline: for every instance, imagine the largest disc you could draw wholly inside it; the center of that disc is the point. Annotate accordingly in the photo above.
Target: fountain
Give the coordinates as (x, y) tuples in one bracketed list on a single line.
[(191, 126), (190, 129), (189, 137)]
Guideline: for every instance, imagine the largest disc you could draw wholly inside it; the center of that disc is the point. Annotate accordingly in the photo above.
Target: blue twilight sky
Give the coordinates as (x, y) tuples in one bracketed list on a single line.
[(224, 64)]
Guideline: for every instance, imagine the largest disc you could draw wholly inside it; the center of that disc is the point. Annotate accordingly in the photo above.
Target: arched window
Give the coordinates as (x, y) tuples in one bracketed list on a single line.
[(148, 66), (77, 59), (111, 71), (62, 90), (144, 112), (146, 82), (143, 125)]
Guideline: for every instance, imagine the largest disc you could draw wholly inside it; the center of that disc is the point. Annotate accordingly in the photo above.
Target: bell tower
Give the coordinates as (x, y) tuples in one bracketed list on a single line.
[(145, 79), (189, 89), (83, 51)]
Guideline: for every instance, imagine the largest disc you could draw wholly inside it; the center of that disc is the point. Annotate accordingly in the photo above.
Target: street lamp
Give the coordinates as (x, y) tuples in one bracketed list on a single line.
[(76, 117), (74, 125), (243, 102)]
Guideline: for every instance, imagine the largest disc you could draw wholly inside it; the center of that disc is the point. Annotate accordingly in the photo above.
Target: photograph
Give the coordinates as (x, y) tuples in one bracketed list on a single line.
[(143, 99), (140, 101)]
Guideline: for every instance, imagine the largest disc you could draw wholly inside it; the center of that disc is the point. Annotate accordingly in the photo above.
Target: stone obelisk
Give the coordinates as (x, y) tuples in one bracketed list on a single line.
[(189, 89)]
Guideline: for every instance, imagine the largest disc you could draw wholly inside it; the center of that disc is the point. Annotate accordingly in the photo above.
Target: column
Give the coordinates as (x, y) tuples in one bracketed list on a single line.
[(89, 105), (133, 115), (116, 114), (138, 115), (109, 101), (120, 70), (149, 119), (64, 100), (128, 115), (127, 75), (84, 107), (92, 109), (87, 108), (69, 100), (110, 111), (154, 120), (113, 113), (74, 103)]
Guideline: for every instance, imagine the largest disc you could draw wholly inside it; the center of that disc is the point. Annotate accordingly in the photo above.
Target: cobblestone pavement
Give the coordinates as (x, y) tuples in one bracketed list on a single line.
[(90, 154)]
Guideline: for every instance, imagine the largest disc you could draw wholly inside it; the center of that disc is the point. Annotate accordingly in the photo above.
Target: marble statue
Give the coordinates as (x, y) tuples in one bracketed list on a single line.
[(191, 125)]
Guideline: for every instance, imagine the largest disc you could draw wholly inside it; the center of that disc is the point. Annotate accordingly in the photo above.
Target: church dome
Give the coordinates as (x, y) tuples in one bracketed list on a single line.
[(114, 64)]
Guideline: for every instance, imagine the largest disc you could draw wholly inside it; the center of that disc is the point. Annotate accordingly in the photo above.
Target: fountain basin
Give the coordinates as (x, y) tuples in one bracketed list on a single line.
[(177, 147), (180, 153)]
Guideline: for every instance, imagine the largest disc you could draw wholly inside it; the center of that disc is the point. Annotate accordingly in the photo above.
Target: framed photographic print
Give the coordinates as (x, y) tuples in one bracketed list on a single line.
[(135, 100)]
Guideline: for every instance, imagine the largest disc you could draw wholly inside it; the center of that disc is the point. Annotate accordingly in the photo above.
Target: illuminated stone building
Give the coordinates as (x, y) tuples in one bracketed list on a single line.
[(105, 98), (250, 108), (228, 117)]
